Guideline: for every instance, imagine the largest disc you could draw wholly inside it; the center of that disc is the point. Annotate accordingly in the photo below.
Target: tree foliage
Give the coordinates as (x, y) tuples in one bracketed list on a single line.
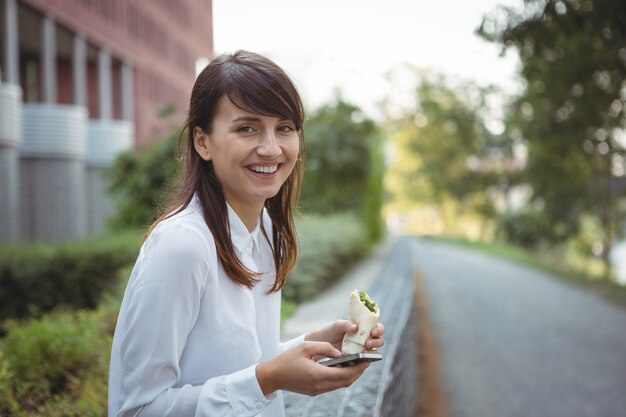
[(572, 112), (443, 150), (344, 167), (139, 182)]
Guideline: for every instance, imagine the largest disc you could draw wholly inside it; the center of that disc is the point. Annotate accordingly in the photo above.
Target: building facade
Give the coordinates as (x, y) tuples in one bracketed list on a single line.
[(82, 80)]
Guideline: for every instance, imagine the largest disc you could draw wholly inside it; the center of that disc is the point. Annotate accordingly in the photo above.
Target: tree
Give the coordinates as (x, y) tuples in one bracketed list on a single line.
[(443, 150), (572, 112), (344, 167)]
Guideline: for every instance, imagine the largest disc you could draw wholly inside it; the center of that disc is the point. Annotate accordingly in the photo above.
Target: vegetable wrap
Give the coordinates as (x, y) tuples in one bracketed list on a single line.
[(365, 313)]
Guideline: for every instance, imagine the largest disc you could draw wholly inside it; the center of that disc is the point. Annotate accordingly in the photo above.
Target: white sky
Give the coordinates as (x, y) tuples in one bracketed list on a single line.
[(350, 44)]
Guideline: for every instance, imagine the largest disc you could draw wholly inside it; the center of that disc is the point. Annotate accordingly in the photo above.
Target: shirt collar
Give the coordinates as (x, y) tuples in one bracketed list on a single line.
[(242, 239)]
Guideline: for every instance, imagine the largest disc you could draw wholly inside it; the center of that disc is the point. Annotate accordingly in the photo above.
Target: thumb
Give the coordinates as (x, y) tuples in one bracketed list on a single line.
[(320, 349)]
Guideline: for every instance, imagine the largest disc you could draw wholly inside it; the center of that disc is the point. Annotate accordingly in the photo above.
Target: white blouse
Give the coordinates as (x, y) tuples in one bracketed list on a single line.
[(188, 339)]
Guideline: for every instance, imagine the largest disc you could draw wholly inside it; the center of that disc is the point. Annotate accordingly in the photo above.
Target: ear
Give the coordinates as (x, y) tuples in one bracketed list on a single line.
[(200, 143)]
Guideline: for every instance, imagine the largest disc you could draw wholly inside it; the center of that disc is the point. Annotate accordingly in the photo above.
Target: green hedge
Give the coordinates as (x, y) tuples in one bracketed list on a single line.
[(57, 365), (526, 228), (38, 278)]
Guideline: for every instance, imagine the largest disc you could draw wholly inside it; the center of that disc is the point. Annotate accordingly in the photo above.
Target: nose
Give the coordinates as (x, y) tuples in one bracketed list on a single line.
[(269, 146)]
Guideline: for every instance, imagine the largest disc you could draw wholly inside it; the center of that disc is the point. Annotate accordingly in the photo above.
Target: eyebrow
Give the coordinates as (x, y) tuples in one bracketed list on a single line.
[(246, 119), (252, 119)]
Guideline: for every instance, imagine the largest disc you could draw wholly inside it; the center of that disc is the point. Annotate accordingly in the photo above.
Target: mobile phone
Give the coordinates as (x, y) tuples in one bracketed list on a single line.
[(349, 360)]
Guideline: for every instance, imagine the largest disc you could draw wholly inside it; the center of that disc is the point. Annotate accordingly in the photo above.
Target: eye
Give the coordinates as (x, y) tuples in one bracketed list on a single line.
[(286, 128), (246, 129)]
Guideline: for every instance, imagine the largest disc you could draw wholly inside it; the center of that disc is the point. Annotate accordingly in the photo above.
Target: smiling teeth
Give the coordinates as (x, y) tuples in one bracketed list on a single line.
[(264, 169)]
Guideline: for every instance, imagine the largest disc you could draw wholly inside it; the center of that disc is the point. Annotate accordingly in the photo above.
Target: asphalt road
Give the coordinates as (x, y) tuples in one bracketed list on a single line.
[(515, 342)]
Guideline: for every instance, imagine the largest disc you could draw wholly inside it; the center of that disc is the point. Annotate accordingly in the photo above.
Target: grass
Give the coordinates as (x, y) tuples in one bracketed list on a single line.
[(547, 262)]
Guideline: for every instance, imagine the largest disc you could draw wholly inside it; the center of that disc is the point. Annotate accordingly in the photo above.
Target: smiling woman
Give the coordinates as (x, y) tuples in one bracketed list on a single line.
[(198, 330)]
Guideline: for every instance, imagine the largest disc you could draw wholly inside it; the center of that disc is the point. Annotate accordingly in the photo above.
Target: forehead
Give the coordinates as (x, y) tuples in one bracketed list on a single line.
[(226, 108), (230, 111)]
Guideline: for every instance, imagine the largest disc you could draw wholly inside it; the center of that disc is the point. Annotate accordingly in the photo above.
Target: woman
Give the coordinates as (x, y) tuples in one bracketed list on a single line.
[(198, 330)]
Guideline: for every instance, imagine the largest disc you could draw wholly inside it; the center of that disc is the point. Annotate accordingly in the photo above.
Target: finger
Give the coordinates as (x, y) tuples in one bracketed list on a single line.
[(357, 371), (343, 374), (347, 326), (360, 368), (374, 343), (379, 330), (337, 377), (320, 349)]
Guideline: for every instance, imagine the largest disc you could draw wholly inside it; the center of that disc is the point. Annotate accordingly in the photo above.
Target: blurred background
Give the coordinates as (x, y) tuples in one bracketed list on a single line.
[(497, 125)]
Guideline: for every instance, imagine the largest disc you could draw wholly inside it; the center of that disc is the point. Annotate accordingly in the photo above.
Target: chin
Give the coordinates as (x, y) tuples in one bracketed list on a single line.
[(269, 194)]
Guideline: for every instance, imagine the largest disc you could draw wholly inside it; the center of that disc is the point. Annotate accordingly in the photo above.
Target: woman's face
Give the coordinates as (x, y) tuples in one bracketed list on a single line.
[(252, 154)]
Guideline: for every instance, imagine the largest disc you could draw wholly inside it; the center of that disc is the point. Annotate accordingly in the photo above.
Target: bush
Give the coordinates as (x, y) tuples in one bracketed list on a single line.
[(57, 365), (140, 181), (344, 165), (37, 278), (526, 228), (339, 143), (328, 246)]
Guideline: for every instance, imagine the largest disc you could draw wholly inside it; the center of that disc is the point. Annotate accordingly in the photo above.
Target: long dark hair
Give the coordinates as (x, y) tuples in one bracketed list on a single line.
[(255, 84)]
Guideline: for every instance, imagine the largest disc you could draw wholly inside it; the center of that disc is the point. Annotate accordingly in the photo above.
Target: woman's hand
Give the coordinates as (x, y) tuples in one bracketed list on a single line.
[(296, 370), (333, 334)]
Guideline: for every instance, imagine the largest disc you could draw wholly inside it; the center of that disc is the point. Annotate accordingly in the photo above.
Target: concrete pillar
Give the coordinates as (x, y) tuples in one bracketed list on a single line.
[(105, 140), (80, 71), (48, 59), (105, 85), (52, 171), (10, 137), (128, 98), (12, 72)]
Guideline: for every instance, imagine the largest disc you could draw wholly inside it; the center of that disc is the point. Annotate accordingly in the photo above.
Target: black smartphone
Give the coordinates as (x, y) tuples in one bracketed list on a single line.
[(349, 360)]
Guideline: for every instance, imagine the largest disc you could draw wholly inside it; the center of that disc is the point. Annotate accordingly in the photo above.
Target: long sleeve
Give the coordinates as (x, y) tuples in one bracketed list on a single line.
[(234, 395)]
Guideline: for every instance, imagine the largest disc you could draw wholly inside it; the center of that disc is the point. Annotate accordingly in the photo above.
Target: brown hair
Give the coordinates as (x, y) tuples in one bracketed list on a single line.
[(255, 84)]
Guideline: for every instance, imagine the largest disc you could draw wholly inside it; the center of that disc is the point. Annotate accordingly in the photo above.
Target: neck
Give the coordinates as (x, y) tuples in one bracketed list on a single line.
[(248, 214)]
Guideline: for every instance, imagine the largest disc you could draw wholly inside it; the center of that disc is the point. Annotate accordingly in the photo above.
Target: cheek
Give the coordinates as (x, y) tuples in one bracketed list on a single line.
[(292, 154), (292, 149), (222, 170)]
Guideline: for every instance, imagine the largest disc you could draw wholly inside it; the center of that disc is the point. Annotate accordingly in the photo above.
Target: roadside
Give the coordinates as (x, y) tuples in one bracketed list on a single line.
[(431, 398)]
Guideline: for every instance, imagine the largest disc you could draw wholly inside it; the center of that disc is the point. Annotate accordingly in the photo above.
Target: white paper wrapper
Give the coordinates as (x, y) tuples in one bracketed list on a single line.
[(366, 320)]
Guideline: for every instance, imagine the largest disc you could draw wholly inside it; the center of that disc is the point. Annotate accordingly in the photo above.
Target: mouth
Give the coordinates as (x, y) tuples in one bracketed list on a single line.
[(266, 170)]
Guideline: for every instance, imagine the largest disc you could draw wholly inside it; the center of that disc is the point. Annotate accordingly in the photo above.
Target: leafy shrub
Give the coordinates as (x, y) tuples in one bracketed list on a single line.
[(139, 181), (328, 246), (526, 228), (340, 143), (37, 278), (57, 365)]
